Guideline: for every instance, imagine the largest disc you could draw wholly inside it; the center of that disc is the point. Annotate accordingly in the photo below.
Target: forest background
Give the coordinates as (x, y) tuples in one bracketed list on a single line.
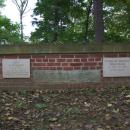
[(70, 21)]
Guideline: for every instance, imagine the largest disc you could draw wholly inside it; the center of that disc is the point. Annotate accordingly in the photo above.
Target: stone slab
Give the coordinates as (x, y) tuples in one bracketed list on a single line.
[(116, 67), (76, 76), (16, 68)]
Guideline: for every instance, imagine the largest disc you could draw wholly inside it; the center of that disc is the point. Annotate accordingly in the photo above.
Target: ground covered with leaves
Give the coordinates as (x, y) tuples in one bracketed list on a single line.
[(71, 109)]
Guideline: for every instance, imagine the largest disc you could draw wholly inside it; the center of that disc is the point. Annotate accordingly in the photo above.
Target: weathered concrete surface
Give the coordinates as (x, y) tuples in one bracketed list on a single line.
[(77, 76), (64, 48)]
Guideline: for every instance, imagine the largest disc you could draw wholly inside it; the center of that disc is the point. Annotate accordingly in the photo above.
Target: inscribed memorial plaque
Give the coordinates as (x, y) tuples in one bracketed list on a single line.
[(116, 67), (16, 68)]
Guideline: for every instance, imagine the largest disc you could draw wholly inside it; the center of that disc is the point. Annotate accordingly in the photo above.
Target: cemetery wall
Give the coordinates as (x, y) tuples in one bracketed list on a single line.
[(65, 67)]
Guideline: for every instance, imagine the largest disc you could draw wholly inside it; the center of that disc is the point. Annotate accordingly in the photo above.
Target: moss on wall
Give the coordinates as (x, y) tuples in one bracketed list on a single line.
[(64, 48)]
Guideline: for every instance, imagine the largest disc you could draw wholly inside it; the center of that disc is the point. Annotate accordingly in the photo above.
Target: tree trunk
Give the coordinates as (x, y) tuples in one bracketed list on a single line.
[(21, 26), (88, 11), (98, 19)]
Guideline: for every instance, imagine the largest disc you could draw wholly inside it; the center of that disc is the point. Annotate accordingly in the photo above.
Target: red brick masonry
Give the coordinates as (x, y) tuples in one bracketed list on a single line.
[(67, 62)]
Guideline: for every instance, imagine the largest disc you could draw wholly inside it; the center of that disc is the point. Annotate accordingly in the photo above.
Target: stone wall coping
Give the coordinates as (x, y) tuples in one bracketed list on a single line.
[(64, 48)]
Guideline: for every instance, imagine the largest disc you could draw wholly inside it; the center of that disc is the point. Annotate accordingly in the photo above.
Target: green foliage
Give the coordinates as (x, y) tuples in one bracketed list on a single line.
[(54, 16), (66, 21), (2, 3), (19, 104), (60, 20), (116, 15), (40, 106), (72, 110), (72, 21), (9, 32), (23, 93)]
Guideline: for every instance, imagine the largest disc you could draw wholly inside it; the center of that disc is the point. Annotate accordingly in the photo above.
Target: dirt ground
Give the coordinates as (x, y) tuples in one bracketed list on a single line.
[(70, 109)]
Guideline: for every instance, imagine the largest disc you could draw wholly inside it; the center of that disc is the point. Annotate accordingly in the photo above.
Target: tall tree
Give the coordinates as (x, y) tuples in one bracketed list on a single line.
[(72, 20), (98, 19), (61, 20), (21, 6), (54, 19)]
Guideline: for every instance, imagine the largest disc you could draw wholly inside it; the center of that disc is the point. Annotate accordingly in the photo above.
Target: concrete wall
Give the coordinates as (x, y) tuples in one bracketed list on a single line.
[(57, 69)]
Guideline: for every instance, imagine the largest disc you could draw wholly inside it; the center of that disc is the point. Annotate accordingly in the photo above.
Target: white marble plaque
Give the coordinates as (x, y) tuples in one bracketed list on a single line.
[(16, 68), (116, 67)]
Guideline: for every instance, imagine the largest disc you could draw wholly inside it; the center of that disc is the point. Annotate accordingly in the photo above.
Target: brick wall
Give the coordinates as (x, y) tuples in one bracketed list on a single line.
[(68, 62), (65, 62)]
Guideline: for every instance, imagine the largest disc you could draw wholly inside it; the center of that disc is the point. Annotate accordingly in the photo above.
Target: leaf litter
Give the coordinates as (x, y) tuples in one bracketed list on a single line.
[(68, 109)]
